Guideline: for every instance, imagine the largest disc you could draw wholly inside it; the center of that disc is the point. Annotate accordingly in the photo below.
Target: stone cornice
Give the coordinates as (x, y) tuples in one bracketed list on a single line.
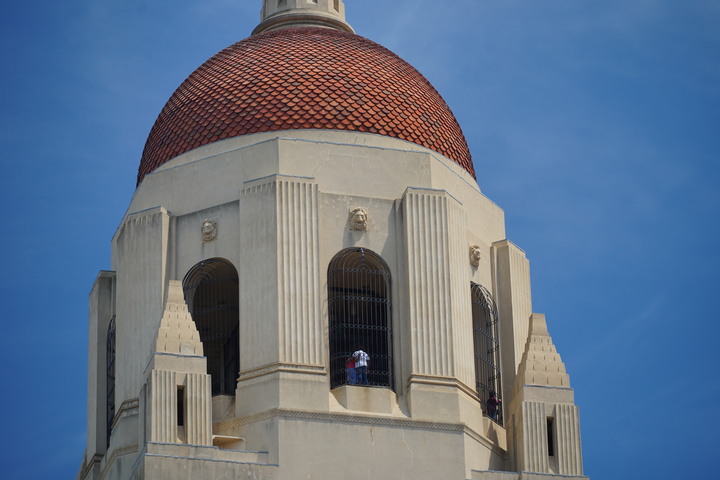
[(444, 382), (118, 452), (87, 467), (228, 426), (282, 367), (127, 408)]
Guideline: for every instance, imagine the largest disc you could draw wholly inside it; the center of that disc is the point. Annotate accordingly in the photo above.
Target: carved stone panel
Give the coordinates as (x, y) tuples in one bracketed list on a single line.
[(358, 218), (209, 229), (475, 255)]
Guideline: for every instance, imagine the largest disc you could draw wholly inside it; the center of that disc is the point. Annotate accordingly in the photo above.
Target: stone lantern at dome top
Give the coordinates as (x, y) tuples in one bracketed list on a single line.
[(316, 13)]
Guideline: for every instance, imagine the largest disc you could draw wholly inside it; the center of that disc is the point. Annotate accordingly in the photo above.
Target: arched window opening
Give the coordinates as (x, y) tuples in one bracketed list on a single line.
[(211, 292), (359, 310), (487, 350), (110, 379)]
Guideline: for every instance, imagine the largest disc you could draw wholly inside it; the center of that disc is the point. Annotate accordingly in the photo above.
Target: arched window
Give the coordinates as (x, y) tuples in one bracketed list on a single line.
[(211, 292), (359, 312), (110, 379), (486, 346)]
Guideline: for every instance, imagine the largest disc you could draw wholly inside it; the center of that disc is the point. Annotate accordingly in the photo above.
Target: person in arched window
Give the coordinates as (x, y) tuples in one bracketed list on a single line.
[(359, 314), (493, 405), (361, 364), (350, 370)]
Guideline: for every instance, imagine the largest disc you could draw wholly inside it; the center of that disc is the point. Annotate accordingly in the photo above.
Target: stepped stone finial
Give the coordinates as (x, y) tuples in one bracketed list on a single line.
[(177, 333), (296, 13), (541, 364)]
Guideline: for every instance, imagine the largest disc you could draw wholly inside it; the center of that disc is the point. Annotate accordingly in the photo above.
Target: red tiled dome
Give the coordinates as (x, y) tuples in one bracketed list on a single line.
[(304, 78)]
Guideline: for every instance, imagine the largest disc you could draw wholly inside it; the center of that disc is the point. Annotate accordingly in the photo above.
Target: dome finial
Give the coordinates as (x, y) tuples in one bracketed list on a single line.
[(317, 13)]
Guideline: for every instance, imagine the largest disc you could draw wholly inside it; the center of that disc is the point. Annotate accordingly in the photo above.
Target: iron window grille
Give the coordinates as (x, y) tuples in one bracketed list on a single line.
[(110, 380), (359, 310), (211, 290), (486, 347)]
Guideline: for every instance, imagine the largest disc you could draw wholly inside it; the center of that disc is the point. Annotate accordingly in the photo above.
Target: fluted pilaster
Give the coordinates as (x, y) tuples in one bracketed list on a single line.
[(439, 302), (280, 274), (300, 328), (534, 449), (461, 307), (514, 307), (569, 451), (198, 409), (163, 406), (429, 286)]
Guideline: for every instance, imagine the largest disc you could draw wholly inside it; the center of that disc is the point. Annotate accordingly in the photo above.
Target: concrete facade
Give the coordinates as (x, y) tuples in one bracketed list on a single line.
[(276, 206)]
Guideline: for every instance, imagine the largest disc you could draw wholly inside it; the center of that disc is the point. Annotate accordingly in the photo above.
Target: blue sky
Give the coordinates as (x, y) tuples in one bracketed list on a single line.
[(595, 124)]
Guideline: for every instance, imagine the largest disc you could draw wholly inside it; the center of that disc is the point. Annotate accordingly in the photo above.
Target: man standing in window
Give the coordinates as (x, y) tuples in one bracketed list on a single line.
[(493, 404), (361, 362)]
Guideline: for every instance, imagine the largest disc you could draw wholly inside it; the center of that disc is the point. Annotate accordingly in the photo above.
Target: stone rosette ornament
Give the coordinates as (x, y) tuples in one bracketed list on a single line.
[(358, 218), (209, 229), (475, 255)]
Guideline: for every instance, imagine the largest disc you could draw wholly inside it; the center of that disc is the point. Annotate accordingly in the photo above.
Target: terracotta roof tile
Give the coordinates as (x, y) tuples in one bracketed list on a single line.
[(297, 78)]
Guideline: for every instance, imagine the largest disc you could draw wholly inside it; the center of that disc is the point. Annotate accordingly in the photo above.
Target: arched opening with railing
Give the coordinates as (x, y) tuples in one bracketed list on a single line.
[(487, 350), (212, 295), (110, 380), (359, 310)]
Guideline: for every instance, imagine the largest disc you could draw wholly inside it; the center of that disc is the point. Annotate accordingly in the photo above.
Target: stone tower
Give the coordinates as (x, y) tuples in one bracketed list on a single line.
[(303, 195)]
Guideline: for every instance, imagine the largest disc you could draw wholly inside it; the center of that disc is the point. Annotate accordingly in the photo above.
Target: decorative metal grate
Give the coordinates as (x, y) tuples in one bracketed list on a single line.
[(110, 379), (487, 348), (359, 311), (211, 291)]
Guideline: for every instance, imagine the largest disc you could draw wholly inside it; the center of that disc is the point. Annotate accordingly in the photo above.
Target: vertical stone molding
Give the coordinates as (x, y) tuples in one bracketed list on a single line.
[(282, 275), (439, 303), (102, 310), (299, 320), (569, 450), (512, 277), (198, 407), (142, 250), (461, 307), (534, 454), (258, 274), (162, 411)]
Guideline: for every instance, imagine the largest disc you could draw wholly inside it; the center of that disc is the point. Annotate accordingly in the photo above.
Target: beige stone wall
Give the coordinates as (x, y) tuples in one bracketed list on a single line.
[(101, 311)]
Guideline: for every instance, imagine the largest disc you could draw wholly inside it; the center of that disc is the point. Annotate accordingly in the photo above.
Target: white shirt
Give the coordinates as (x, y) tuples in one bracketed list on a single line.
[(361, 358)]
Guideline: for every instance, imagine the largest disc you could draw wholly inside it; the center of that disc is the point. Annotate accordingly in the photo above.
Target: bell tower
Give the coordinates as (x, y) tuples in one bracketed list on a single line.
[(303, 195), (308, 13)]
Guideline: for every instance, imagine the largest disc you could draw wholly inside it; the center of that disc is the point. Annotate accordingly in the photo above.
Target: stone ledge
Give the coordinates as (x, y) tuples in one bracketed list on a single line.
[(366, 399)]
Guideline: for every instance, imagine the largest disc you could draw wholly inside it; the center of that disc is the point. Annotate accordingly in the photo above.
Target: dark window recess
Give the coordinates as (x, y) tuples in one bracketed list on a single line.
[(212, 294), (486, 348), (359, 310), (110, 379), (181, 407), (551, 436)]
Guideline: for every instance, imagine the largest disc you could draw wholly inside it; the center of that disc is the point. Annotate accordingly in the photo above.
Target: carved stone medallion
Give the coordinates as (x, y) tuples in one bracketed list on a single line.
[(209, 229), (358, 218), (475, 255)]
